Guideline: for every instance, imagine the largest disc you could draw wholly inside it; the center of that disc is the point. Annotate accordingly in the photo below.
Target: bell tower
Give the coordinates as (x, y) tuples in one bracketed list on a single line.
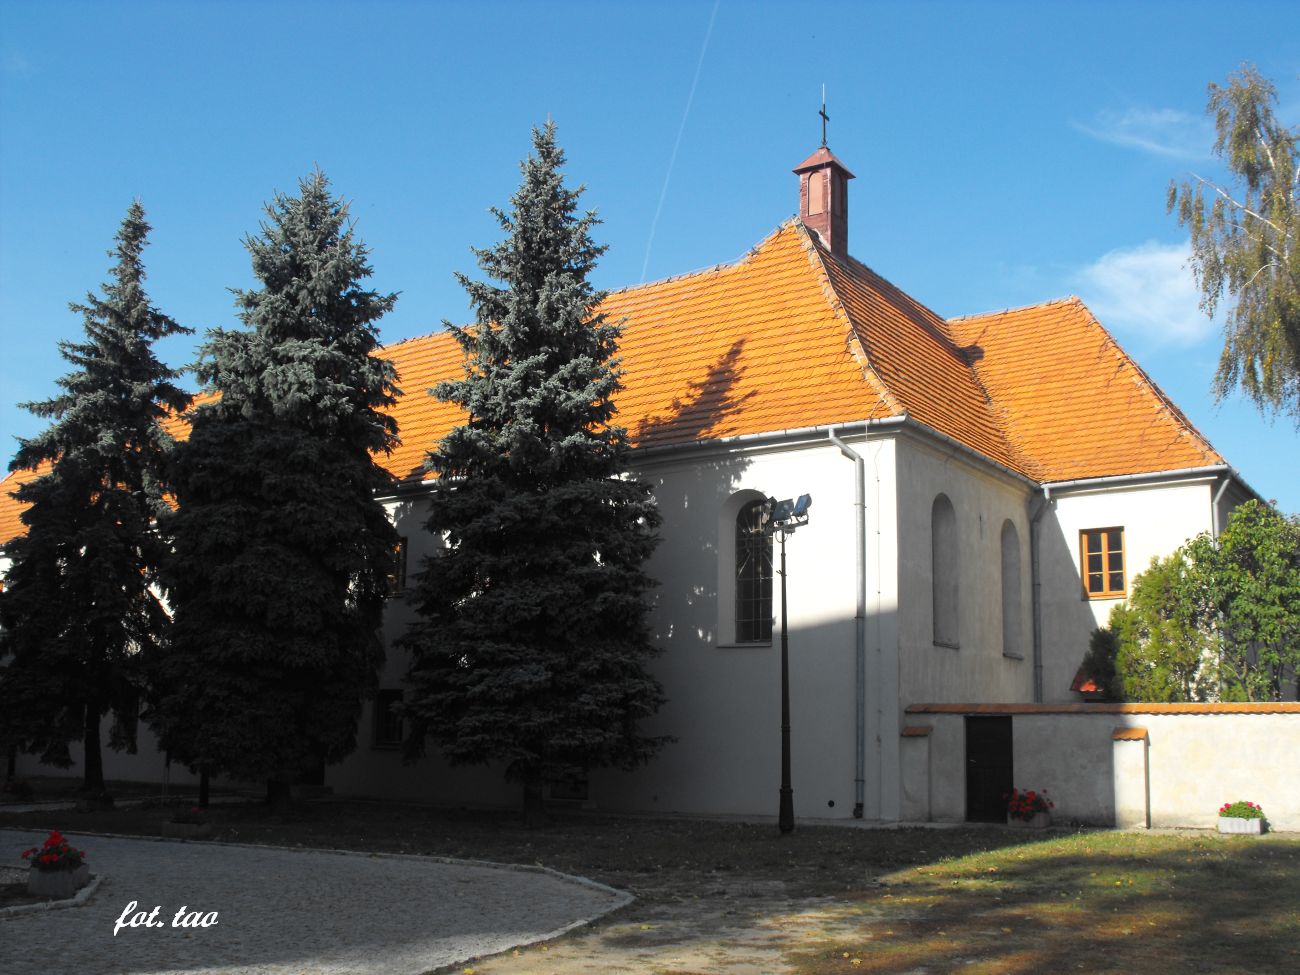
[(824, 194)]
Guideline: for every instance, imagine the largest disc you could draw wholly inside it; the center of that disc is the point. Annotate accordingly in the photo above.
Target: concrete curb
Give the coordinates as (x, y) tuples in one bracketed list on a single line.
[(79, 898)]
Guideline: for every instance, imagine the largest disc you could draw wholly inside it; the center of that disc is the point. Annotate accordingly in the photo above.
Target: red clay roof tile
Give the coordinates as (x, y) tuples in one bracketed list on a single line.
[(790, 336)]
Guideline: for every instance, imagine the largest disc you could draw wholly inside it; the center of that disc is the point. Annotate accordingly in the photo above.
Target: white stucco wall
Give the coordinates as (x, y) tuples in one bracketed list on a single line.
[(146, 764), (983, 499), (1157, 518), (724, 699), (1197, 758)]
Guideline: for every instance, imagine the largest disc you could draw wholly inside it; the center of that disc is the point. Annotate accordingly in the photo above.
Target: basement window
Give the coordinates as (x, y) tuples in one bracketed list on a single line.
[(1101, 562)]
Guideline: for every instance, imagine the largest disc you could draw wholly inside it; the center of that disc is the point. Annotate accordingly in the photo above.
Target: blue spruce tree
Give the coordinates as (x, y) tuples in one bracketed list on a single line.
[(79, 611), (532, 645), (281, 551)]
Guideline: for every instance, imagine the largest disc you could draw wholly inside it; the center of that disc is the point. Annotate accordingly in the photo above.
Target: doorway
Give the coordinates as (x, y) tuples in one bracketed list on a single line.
[(989, 771)]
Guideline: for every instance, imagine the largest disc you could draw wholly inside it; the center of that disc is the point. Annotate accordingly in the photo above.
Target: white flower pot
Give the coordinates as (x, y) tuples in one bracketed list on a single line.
[(1041, 820), (57, 884), (1231, 824)]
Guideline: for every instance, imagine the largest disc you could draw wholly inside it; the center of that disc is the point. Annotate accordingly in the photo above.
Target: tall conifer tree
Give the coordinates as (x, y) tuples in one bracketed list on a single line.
[(532, 643), (282, 552), (78, 611)]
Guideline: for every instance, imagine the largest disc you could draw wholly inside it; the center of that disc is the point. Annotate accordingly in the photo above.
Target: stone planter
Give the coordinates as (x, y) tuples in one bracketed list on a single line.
[(1231, 824), (187, 831), (57, 884), (1041, 820)]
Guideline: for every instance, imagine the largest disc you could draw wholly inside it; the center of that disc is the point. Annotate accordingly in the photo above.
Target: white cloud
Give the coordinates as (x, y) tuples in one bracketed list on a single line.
[(1163, 131), (1148, 290)]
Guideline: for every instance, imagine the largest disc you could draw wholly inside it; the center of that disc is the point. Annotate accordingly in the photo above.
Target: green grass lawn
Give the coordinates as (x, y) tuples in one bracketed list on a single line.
[(1093, 902)]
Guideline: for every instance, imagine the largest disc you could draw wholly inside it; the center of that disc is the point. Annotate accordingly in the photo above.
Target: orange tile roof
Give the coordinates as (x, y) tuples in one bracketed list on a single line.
[(790, 336), (1129, 734), (1071, 400), (913, 357)]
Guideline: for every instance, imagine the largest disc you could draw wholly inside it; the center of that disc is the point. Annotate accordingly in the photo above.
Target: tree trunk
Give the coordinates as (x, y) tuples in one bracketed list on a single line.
[(93, 785), (11, 766), (534, 811), (278, 795), (204, 784)]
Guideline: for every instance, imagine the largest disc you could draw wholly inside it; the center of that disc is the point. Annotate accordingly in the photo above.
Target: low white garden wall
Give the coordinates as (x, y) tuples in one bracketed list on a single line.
[(1150, 765)]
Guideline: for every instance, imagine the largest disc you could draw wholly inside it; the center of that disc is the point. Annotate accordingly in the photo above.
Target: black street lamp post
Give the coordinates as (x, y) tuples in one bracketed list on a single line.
[(781, 518)]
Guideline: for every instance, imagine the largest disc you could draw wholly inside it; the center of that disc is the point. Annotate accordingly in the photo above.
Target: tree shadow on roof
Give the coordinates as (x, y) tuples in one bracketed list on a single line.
[(709, 403)]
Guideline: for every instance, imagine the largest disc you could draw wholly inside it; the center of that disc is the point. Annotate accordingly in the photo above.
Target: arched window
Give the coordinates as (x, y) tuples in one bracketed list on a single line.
[(817, 191), (753, 577), (944, 571), (1011, 590)]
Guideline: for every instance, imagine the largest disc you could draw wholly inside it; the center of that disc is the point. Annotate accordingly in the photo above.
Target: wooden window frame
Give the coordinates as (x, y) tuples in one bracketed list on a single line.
[(1106, 592)]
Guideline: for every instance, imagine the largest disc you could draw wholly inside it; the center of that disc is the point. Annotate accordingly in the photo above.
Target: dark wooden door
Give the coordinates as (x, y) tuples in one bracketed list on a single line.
[(989, 770)]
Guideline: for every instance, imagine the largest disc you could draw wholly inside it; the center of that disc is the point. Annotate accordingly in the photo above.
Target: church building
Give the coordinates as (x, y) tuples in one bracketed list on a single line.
[(984, 490)]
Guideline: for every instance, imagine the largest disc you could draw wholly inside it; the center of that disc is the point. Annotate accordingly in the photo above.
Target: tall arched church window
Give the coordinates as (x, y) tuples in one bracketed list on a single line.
[(1011, 606), (753, 577), (944, 571)]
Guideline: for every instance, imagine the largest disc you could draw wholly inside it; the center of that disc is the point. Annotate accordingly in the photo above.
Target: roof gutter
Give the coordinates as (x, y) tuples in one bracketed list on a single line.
[(970, 452), (816, 433), (1119, 479)]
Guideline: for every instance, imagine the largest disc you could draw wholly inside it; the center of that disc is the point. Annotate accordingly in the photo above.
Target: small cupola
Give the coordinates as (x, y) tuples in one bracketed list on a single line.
[(824, 198)]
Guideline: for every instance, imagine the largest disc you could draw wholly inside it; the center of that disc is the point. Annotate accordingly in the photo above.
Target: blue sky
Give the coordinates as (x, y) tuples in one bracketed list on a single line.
[(1005, 153)]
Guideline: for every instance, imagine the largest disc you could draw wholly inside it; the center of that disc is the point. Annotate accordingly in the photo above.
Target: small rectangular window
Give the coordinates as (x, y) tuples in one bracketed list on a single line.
[(397, 571), (388, 719), (1101, 560)]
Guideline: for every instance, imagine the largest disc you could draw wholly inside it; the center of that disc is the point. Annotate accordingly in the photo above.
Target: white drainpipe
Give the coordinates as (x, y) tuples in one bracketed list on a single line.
[(1214, 506), (859, 621), (1042, 503)]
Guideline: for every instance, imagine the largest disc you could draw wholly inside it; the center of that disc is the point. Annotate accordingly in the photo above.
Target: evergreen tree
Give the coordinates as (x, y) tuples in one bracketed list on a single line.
[(532, 642), (78, 609), (1099, 664), (281, 551)]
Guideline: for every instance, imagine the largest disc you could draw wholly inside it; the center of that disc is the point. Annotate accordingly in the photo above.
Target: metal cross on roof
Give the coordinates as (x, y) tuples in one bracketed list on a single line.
[(825, 118)]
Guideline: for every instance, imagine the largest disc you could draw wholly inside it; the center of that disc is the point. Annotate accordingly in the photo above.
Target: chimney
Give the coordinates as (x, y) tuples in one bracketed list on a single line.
[(824, 199)]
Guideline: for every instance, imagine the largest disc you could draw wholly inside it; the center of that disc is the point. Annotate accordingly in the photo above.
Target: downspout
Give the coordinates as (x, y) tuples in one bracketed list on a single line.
[(1214, 507), (1041, 504), (859, 621)]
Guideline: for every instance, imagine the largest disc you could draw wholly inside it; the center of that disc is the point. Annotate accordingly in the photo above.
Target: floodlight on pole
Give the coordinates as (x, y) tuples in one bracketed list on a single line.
[(782, 518)]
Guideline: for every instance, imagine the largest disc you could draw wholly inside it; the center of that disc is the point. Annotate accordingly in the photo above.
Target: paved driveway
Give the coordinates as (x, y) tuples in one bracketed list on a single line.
[(287, 911)]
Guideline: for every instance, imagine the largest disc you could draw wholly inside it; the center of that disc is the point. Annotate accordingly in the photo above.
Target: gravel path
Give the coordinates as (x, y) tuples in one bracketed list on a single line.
[(282, 911)]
